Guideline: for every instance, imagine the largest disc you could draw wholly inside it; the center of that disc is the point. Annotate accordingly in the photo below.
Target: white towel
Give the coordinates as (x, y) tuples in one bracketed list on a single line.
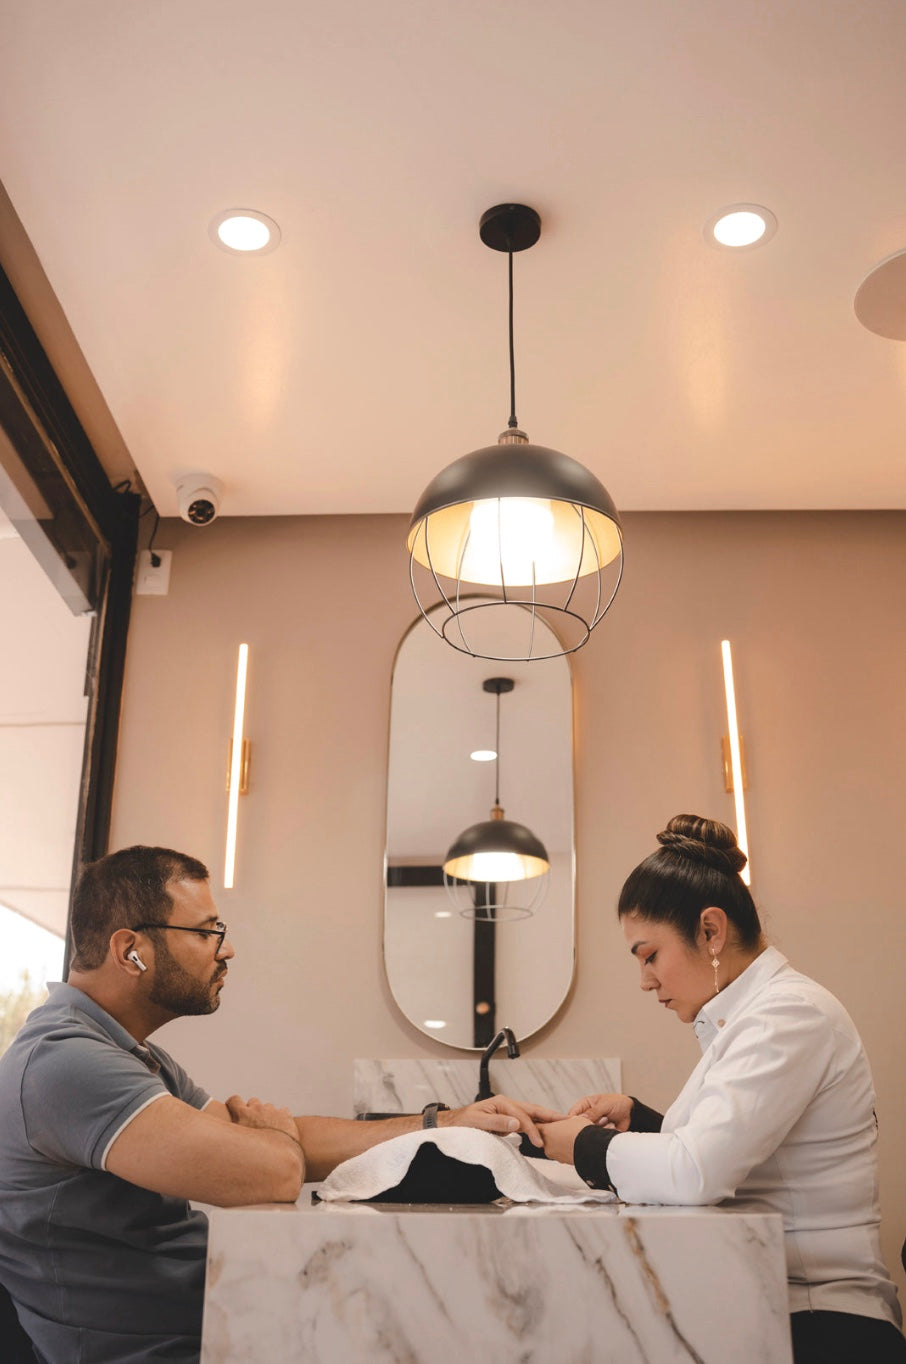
[(517, 1177)]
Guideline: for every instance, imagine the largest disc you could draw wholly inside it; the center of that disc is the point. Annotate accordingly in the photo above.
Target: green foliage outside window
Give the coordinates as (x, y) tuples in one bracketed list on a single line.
[(15, 1006)]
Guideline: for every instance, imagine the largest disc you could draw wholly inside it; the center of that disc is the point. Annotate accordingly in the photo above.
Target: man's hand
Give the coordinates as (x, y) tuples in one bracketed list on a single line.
[(560, 1138), (607, 1110), (256, 1114), (499, 1114)]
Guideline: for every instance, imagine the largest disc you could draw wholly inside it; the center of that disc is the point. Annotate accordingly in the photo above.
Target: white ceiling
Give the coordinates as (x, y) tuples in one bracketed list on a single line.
[(341, 371)]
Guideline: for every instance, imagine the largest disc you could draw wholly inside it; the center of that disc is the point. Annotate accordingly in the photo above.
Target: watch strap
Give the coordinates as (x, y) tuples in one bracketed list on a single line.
[(430, 1112)]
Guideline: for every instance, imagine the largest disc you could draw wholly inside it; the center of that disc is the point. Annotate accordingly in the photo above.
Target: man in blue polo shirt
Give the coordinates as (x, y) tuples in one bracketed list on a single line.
[(104, 1138)]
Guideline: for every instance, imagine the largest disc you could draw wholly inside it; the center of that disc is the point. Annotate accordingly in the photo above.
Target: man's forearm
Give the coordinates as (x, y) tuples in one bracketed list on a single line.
[(173, 1149), (275, 1175), (329, 1141)]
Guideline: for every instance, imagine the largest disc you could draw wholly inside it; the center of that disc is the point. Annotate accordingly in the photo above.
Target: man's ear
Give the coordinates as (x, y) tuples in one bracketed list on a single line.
[(714, 927), (126, 953)]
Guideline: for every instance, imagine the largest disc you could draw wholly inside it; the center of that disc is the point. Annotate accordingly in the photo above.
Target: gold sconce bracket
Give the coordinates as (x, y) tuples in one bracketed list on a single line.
[(243, 767), (727, 757)]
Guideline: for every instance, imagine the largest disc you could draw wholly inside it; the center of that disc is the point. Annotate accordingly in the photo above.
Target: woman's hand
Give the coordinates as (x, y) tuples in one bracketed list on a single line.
[(499, 1114), (607, 1110), (560, 1137)]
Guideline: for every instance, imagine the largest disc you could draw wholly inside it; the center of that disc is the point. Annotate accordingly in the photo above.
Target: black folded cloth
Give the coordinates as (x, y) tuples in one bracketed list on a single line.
[(434, 1177)]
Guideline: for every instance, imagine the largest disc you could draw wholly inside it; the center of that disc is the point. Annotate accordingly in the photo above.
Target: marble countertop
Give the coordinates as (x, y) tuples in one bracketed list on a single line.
[(373, 1283), (309, 1205)]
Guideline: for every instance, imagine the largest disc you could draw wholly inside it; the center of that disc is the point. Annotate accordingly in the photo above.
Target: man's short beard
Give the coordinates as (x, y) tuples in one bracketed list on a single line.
[(175, 990)]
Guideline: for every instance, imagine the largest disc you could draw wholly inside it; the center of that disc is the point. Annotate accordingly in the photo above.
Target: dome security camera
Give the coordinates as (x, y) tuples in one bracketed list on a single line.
[(199, 498)]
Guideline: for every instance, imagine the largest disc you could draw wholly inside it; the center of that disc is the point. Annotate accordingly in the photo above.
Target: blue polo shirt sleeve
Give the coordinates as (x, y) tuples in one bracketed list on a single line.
[(178, 1081), (78, 1095)]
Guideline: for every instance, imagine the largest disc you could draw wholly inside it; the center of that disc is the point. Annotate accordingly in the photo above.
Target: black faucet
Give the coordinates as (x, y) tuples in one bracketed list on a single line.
[(512, 1049)]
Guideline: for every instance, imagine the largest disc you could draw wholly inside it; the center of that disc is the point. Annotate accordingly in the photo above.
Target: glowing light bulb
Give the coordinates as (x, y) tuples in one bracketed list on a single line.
[(501, 866), (244, 234), (741, 225), (509, 539), (245, 230), (739, 229)]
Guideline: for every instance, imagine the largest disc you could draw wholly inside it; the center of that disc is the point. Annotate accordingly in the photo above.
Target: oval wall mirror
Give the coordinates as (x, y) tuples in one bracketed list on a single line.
[(459, 973)]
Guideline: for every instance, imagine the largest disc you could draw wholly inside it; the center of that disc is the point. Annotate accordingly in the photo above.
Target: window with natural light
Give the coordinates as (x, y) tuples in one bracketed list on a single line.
[(43, 709), (30, 956)]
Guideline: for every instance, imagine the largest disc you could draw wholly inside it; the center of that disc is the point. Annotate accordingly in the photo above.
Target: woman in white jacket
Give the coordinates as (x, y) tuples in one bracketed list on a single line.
[(777, 1116)]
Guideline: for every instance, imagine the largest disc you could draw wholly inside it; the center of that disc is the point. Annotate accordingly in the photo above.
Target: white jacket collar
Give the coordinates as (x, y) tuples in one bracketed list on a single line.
[(735, 997)]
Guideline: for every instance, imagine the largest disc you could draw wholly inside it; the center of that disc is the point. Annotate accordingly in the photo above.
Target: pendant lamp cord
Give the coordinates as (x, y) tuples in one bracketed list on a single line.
[(512, 423)]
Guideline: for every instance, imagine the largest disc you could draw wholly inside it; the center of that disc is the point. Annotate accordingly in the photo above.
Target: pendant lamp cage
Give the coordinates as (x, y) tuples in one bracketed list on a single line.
[(497, 870), (528, 528)]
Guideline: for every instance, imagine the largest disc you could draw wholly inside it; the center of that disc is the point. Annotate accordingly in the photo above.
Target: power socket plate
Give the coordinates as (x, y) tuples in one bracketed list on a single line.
[(151, 581)]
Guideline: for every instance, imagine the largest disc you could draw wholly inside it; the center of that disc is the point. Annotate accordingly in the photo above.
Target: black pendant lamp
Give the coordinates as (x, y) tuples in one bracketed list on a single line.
[(528, 530), (484, 862)]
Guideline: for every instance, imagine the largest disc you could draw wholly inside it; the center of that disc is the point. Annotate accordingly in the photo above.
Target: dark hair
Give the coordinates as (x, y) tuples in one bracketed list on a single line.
[(697, 865), (121, 890)]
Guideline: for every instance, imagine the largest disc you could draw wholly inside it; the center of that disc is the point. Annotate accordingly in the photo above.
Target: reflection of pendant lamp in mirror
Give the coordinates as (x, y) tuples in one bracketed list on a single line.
[(529, 527), (497, 869)]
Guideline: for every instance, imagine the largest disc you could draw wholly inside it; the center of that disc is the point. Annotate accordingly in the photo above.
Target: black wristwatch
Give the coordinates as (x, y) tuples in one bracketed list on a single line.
[(430, 1112)]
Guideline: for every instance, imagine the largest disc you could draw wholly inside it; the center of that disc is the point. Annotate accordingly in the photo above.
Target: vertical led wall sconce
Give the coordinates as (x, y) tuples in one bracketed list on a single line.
[(237, 783), (734, 779)]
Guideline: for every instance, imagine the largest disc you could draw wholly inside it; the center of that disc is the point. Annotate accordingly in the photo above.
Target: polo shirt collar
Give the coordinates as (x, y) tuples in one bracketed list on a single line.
[(69, 996), (735, 997)]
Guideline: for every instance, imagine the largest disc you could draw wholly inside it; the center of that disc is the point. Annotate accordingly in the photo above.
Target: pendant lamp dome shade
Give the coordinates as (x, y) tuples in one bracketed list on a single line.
[(496, 850), (526, 526), (483, 864)]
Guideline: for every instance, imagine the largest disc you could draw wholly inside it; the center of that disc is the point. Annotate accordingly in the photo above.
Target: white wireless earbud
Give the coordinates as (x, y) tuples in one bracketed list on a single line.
[(133, 956)]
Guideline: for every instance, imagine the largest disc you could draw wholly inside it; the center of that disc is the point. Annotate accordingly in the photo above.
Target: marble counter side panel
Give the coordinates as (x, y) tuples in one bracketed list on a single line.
[(371, 1285), (405, 1086)]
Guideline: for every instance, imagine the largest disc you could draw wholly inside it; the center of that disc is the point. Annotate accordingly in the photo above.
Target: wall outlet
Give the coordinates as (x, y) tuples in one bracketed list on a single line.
[(151, 581)]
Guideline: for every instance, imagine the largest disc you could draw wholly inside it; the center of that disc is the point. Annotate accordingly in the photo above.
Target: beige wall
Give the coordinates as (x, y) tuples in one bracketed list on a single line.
[(814, 605)]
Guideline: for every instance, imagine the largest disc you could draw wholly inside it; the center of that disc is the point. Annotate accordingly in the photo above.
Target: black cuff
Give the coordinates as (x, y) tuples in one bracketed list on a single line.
[(643, 1118), (590, 1155)]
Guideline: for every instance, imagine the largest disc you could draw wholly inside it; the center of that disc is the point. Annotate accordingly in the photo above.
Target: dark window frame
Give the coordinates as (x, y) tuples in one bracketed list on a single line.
[(31, 391)]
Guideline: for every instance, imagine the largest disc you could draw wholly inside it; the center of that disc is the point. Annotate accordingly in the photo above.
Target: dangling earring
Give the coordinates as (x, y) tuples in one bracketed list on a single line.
[(715, 962)]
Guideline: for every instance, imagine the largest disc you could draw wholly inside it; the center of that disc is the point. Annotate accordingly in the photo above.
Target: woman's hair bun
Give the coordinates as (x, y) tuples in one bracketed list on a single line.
[(705, 841)]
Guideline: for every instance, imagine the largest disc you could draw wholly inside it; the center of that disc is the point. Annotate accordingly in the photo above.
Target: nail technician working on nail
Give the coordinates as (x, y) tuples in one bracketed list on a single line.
[(104, 1137), (778, 1115)]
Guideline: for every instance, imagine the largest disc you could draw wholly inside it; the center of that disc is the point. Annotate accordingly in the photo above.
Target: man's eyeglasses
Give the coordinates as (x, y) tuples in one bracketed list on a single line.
[(219, 931)]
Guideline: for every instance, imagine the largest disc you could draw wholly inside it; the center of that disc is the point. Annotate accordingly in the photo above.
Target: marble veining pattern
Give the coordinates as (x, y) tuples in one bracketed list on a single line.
[(382, 1284), (405, 1086)]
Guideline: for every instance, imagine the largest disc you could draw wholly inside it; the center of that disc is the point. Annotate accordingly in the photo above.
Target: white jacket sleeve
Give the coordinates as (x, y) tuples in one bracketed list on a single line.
[(737, 1113)]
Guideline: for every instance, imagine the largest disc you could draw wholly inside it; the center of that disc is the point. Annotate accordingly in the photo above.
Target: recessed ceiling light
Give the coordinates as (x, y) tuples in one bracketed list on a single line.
[(483, 755), (435, 1023), (443, 914), (741, 225), (245, 231)]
